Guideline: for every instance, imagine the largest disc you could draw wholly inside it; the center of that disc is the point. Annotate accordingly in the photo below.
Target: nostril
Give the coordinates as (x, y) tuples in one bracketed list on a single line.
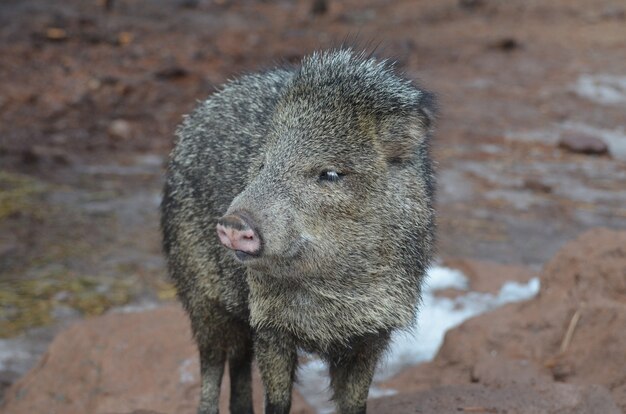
[(237, 233)]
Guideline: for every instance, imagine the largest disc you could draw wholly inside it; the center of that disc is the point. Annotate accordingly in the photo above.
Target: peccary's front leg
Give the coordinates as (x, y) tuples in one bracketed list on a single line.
[(211, 370), (351, 373), (240, 366), (276, 356)]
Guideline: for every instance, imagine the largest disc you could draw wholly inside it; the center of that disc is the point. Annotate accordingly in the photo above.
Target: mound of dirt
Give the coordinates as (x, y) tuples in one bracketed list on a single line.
[(572, 332), (547, 399), (144, 362)]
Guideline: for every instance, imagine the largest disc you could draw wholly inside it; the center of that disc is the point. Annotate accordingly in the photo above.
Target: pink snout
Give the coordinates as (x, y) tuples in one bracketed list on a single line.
[(237, 233)]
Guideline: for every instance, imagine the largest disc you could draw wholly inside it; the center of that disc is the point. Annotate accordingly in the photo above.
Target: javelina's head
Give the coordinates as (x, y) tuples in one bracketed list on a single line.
[(344, 174)]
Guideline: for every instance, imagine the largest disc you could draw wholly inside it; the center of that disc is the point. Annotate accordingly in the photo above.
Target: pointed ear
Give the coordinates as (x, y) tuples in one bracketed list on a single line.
[(403, 135)]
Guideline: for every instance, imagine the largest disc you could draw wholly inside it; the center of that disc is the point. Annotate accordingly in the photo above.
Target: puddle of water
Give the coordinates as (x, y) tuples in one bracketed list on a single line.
[(602, 89), (420, 344)]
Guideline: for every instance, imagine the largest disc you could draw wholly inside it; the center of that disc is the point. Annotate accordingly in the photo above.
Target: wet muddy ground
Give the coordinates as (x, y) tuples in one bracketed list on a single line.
[(90, 98)]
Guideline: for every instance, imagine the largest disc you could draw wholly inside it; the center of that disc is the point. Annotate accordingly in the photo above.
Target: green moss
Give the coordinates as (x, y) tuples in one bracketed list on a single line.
[(29, 303), (19, 194), (165, 290)]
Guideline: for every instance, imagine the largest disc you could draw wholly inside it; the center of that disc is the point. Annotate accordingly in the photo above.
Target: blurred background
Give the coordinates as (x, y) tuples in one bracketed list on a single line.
[(531, 141)]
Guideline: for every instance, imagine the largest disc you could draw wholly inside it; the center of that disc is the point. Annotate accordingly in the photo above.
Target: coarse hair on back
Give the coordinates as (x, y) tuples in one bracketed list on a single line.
[(359, 79)]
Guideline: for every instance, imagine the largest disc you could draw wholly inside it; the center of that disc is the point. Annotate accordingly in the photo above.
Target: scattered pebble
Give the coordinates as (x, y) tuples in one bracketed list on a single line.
[(56, 34), (120, 129), (561, 371), (537, 186), (507, 44), (319, 7), (124, 38), (583, 144), (171, 72)]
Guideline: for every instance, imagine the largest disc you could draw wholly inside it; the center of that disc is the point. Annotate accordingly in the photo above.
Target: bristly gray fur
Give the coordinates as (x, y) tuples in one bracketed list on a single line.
[(342, 262)]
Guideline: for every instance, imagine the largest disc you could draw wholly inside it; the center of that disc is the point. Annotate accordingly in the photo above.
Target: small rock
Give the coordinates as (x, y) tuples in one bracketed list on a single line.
[(537, 186), (507, 44), (56, 34), (319, 7), (124, 38), (120, 129), (583, 144), (561, 371), (171, 72)]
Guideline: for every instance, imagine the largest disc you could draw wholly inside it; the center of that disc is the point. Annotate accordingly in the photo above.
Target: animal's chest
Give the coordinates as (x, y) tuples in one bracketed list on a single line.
[(317, 321)]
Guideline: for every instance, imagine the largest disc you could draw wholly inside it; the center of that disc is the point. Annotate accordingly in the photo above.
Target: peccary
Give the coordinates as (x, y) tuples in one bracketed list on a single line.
[(319, 182)]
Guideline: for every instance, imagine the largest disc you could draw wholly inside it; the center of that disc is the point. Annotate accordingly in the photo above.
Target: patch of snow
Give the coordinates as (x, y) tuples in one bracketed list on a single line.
[(602, 89), (185, 371), (314, 385), (381, 392), (439, 278)]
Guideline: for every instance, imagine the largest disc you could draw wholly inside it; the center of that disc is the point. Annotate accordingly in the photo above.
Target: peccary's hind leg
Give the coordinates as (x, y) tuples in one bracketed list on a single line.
[(351, 373), (240, 369), (276, 356)]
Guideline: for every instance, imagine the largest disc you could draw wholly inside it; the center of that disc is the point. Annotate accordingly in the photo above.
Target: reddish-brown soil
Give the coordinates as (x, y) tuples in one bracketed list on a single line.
[(561, 352), (90, 98)]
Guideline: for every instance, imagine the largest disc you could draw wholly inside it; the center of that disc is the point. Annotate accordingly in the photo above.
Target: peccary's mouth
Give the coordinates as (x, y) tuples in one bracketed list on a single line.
[(261, 259), (244, 257)]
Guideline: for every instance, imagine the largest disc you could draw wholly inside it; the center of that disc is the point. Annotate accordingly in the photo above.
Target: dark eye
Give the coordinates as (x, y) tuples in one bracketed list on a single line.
[(330, 175), (261, 166)]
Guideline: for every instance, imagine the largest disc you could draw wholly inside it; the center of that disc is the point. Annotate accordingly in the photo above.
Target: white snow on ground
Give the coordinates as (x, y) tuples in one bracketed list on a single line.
[(436, 316), (602, 89)]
